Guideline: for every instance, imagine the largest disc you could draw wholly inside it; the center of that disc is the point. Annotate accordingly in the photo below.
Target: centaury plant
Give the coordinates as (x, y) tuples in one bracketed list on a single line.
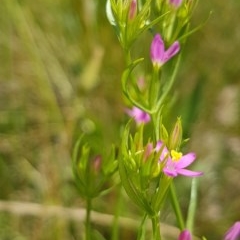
[(149, 158)]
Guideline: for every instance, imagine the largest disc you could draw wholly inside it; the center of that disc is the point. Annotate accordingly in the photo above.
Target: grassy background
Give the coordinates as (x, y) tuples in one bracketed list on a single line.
[(60, 76)]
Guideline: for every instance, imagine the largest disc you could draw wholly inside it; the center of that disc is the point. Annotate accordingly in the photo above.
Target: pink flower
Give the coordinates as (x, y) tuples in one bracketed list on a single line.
[(139, 115), (234, 232), (158, 54), (185, 235), (176, 3), (175, 162)]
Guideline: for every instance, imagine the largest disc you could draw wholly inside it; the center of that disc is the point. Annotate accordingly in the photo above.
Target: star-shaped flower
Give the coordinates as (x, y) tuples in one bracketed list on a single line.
[(175, 162)]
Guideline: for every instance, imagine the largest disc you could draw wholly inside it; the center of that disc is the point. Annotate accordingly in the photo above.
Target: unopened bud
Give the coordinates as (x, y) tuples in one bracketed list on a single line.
[(147, 151), (185, 235), (176, 3), (132, 10), (97, 163), (175, 138)]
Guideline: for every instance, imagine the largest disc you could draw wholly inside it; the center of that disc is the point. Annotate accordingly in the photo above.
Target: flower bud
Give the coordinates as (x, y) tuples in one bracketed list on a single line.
[(139, 115), (185, 235), (97, 162), (175, 138), (175, 3), (132, 10)]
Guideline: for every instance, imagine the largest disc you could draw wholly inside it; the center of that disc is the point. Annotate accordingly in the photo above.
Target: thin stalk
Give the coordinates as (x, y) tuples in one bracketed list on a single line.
[(154, 88), (141, 230), (127, 56), (156, 228), (153, 99), (176, 207), (171, 26), (168, 87), (192, 205), (156, 123), (115, 228), (88, 219)]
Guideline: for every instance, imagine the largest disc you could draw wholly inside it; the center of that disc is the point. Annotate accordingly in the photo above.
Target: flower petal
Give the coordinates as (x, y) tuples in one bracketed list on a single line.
[(188, 173), (139, 115), (164, 153), (157, 50), (186, 160), (170, 172), (172, 50), (158, 145), (170, 169), (234, 232), (176, 3)]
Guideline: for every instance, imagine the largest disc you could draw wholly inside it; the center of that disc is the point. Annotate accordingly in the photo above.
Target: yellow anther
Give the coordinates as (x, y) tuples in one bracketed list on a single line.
[(176, 155)]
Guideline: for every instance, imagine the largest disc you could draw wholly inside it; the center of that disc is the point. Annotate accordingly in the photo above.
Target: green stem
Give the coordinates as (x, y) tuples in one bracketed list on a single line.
[(115, 228), (156, 228), (154, 88), (141, 230), (168, 87), (156, 123), (127, 57), (153, 99), (176, 207), (171, 26), (192, 205), (88, 219)]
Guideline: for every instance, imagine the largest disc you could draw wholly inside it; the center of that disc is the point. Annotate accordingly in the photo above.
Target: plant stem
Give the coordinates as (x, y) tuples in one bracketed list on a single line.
[(127, 57), (115, 228), (156, 123), (176, 207), (141, 231), (88, 219), (169, 85), (170, 28), (154, 88), (156, 228)]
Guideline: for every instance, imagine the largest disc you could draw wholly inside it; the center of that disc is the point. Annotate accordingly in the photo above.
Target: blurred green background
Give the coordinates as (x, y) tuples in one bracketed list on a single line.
[(60, 68)]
